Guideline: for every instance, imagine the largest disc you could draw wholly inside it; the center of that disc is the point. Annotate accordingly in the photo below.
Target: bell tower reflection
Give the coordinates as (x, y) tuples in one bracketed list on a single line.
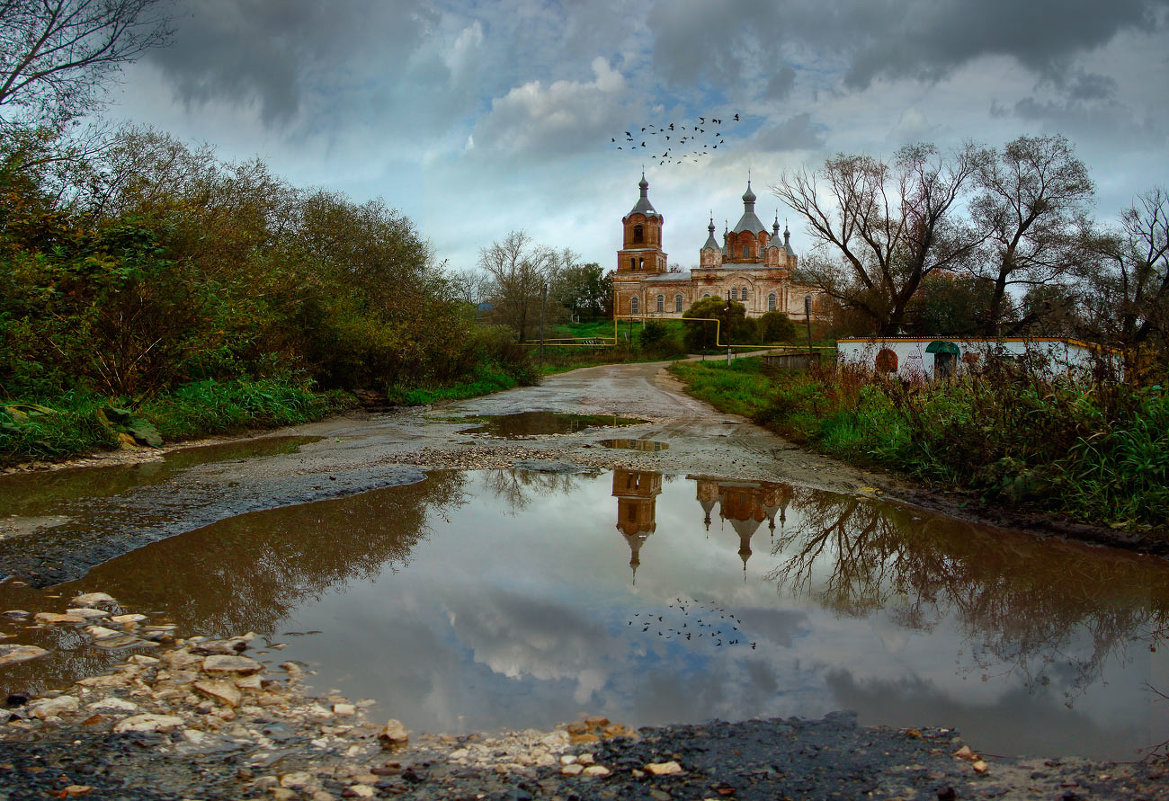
[(636, 492), (745, 504)]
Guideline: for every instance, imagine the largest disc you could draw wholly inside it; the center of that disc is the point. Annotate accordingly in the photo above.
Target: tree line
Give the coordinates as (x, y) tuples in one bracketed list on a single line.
[(983, 241)]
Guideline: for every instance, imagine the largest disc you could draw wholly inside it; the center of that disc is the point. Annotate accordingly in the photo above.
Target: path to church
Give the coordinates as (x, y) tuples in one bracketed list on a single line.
[(359, 452)]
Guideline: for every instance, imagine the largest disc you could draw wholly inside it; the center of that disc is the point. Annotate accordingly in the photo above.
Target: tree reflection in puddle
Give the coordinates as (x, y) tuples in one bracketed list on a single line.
[(513, 598)]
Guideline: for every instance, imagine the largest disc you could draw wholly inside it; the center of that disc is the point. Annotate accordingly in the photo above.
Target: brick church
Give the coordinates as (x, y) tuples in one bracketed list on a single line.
[(752, 266)]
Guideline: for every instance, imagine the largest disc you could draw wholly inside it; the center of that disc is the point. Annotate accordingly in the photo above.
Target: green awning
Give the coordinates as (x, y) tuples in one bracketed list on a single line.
[(942, 346)]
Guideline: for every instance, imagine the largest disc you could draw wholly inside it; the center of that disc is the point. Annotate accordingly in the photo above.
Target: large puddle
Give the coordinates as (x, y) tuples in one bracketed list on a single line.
[(522, 425), (513, 599)]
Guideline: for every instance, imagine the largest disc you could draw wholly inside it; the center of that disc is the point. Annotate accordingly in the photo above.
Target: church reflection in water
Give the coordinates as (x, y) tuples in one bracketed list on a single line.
[(743, 505)]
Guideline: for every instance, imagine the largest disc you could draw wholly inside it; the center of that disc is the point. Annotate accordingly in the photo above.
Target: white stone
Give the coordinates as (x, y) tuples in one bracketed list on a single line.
[(148, 723), (125, 620), (92, 598), (53, 707), (568, 759), (101, 632), (142, 659), (360, 791), (113, 705), (394, 733), (295, 780), (596, 770), (663, 768), (586, 759), (220, 690), (224, 663), (53, 618), (86, 612), (344, 709), (10, 654), (575, 769)]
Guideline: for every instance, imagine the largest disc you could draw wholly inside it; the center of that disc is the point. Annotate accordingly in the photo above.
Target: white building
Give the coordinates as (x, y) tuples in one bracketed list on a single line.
[(924, 358)]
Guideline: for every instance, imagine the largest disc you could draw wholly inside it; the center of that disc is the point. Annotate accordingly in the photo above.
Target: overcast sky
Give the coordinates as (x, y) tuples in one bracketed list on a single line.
[(478, 118)]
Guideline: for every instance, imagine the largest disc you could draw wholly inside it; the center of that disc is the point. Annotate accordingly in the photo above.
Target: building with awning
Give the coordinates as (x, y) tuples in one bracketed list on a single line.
[(930, 358)]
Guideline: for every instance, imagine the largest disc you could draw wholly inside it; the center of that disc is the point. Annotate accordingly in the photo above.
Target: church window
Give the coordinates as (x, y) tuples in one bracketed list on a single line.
[(706, 294), (641, 264), (634, 307), (771, 302), (633, 264), (734, 293), (661, 303), (743, 293), (678, 302), (746, 252), (638, 234)]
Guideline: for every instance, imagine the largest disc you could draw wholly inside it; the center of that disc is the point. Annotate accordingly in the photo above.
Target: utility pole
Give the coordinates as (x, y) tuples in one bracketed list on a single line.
[(543, 301), (728, 321), (808, 323)]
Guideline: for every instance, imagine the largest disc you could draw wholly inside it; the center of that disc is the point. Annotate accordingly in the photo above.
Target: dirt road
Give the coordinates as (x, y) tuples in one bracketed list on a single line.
[(47, 542)]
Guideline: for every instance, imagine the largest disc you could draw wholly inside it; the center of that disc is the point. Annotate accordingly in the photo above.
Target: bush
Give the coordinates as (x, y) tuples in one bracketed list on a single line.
[(775, 326)]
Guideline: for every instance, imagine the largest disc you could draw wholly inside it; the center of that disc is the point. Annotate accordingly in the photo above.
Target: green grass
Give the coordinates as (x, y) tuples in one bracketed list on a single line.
[(72, 426), (1094, 453), (739, 388), (488, 378)]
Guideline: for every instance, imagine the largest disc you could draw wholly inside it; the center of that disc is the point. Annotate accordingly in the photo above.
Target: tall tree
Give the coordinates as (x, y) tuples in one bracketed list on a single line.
[(880, 228), (1127, 285), (520, 270), (1032, 203), (55, 55)]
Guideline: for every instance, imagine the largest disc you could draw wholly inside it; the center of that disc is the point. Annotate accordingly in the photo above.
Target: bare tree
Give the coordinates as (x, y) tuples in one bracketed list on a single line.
[(55, 55), (519, 270), (880, 228), (1032, 204), (469, 286), (1128, 286)]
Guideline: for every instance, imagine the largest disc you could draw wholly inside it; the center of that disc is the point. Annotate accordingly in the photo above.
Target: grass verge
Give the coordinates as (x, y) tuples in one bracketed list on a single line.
[(1093, 452), (76, 423)]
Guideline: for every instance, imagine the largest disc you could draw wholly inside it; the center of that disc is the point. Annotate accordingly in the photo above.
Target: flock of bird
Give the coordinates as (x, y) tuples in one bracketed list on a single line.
[(710, 624), (677, 143)]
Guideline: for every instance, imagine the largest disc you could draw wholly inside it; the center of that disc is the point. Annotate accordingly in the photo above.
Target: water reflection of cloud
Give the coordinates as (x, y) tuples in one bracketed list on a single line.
[(1013, 721)]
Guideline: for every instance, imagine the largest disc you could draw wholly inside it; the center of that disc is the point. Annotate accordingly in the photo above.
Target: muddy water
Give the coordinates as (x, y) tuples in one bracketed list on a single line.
[(510, 599), (522, 425)]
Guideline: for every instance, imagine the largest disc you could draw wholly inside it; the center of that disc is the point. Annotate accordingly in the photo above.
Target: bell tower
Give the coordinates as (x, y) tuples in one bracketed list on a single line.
[(641, 243)]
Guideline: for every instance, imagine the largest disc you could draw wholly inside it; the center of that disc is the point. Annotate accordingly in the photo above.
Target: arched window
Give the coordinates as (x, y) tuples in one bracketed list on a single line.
[(632, 264), (734, 293), (886, 361), (641, 264), (678, 302), (661, 303), (746, 252), (638, 234), (743, 293), (771, 302), (634, 306), (706, 294)]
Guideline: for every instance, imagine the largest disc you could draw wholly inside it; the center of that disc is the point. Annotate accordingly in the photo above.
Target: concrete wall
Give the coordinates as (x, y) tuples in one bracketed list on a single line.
[(1057, 356)]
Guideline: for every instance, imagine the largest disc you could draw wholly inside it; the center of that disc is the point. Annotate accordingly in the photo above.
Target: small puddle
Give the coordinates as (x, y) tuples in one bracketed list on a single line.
[(634, 444), (538, 424), (511, 599)]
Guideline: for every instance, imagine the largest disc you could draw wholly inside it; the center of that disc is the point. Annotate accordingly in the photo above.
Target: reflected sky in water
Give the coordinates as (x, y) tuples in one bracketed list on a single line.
[(511, 599)]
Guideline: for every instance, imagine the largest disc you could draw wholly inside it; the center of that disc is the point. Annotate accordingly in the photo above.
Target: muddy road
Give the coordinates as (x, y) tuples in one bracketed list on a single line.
[(58, 524)]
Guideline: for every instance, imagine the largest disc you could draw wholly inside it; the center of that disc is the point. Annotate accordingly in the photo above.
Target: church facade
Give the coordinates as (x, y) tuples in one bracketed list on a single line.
[(752, 266)]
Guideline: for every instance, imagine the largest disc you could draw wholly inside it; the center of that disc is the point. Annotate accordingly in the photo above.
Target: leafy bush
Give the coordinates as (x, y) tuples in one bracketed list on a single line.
[(775, 326)]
